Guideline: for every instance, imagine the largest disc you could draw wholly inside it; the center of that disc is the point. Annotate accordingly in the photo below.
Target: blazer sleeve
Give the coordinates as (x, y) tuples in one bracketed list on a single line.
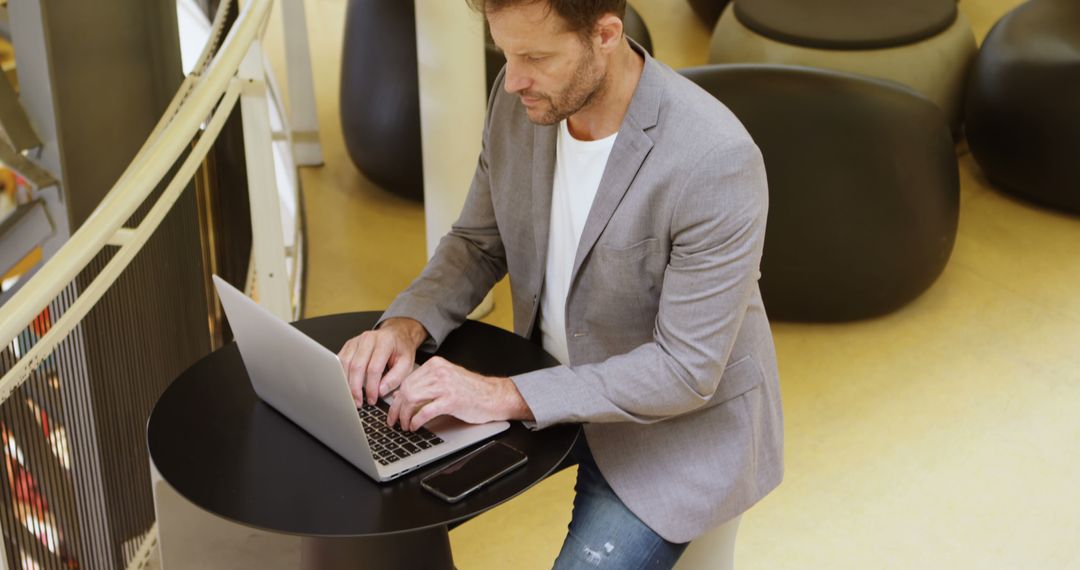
[(717, 235), (467, 263)]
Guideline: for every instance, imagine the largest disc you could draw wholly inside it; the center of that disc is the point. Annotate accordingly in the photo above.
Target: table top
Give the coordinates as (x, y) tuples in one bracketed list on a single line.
[(227, 451)]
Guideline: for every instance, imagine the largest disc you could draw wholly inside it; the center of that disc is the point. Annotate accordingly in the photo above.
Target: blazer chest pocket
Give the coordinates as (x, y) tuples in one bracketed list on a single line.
[(635, 270)]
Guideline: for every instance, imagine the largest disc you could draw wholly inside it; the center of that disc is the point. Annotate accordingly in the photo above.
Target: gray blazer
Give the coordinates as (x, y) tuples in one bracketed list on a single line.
[(672, 366)]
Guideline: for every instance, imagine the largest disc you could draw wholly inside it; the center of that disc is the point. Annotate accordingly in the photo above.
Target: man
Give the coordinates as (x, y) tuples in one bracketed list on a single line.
[(628, 207)]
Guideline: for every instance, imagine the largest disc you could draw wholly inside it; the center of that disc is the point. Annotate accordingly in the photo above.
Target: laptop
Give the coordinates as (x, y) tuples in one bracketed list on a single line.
[(304, 380)]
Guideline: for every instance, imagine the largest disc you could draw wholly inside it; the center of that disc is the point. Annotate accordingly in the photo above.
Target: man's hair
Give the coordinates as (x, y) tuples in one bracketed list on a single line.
[(580, 15)]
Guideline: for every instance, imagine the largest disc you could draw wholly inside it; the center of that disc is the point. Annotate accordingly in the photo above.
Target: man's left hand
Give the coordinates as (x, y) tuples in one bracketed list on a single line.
[(441, 388)]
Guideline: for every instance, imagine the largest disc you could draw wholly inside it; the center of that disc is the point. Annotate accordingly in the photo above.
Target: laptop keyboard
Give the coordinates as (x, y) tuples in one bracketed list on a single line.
[(390, 444)]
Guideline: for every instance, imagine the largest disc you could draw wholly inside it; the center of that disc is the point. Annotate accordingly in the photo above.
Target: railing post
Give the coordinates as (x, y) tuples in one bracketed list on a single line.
[(268, 243), (302, 116)]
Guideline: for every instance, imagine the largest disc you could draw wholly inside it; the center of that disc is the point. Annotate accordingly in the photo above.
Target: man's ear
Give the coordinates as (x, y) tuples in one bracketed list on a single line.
[(609, 29)]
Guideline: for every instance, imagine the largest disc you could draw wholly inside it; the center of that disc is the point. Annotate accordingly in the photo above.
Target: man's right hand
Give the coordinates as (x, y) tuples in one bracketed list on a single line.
[(377, 361)]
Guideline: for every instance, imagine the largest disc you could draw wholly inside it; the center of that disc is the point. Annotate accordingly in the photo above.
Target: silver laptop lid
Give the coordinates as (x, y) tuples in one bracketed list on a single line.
[(297, 376)]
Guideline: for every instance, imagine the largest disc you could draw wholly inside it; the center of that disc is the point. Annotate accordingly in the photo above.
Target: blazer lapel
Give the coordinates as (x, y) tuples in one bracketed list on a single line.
[(632, 146)]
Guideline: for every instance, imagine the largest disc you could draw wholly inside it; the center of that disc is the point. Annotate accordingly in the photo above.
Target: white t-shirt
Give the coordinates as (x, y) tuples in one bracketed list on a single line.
[(579, 165)]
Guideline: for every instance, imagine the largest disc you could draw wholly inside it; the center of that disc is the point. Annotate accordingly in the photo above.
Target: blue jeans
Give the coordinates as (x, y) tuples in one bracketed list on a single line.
[(603, 533)]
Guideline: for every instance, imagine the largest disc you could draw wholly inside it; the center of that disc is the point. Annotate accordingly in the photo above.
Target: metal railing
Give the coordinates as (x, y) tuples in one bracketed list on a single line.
[(224, 76)]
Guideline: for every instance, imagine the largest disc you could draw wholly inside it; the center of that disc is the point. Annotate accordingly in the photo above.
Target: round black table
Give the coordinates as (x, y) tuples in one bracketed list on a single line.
[(218, 445)]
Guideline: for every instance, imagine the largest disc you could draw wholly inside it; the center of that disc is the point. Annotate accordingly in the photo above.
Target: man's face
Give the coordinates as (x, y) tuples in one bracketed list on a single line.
[(553, 70)]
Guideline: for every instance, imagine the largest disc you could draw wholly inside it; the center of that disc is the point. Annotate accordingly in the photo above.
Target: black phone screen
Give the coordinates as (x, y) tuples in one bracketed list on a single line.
[(474, 470)]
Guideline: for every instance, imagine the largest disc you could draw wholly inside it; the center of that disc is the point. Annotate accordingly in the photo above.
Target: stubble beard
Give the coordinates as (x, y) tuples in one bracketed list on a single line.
[(582, 90)]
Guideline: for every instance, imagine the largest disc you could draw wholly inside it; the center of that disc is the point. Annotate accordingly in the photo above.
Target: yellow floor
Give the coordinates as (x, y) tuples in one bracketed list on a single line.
[(942, 436)]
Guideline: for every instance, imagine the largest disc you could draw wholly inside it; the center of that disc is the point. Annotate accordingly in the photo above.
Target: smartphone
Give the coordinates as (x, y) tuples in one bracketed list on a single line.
[(455, 481)]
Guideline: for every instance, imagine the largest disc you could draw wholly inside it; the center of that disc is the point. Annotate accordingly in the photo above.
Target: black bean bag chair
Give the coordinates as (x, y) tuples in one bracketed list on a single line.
[(708, 10), (1023, 104), (380, 98), (847, 24), (864, 189), (633, 26), (927, 45)]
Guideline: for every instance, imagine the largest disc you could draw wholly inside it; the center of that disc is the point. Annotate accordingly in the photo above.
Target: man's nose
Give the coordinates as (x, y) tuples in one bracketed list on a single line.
[(514, 81)]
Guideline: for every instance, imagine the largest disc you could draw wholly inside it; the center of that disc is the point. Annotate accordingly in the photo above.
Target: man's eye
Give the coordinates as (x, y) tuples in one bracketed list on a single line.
[(535, 58)]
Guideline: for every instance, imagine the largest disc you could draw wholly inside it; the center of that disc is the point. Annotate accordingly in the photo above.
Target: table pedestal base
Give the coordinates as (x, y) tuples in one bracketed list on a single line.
[(428, 549)]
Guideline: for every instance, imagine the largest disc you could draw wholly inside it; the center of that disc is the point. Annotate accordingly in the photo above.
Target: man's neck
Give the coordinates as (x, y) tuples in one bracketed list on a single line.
[(603, 117)]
